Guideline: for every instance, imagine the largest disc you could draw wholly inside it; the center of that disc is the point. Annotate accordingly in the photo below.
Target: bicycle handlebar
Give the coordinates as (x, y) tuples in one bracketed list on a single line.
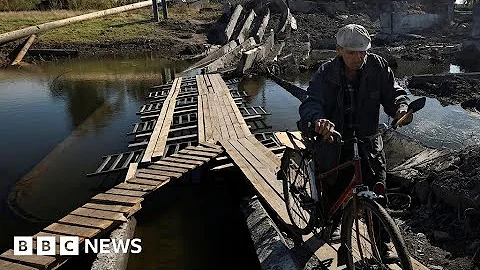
[(395, 123), (413, 107), (337, 136)]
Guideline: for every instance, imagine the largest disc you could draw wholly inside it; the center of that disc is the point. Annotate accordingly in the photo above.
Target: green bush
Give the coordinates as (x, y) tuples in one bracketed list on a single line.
[(17, 5)]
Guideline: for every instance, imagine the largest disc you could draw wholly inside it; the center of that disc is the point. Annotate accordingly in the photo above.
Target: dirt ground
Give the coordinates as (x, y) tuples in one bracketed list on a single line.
[(450, 90), (443, 226), (438, 45)]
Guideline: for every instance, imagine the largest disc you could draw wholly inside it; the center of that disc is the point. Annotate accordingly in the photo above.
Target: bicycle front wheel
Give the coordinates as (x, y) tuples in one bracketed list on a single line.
[(297, 191), (371, 237)]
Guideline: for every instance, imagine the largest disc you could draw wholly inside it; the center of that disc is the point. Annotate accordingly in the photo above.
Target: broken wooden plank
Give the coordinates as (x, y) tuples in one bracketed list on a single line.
[(201, 124), (147, 157), (86, 221), (37, 261), (157, 171), (147, 182), (152, 177), (264, 188), (159, 148), (190, 150), (210, 145), (165, 168), (8, 265), (181, 160), (186, 156), (173, 164), (138, 187), (109, 207), (125, 192), (101, 214), (72, 230), (102, 197)]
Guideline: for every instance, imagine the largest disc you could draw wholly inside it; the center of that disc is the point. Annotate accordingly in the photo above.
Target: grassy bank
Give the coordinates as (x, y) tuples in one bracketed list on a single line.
[(23, 5), (133, 25)]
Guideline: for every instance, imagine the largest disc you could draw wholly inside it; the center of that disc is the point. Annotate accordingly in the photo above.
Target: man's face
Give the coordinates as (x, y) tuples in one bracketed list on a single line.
[(353, 59)]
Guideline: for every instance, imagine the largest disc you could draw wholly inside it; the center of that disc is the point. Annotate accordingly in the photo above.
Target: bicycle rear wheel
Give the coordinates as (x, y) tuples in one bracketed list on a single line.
[(301, 207), (371, 237)]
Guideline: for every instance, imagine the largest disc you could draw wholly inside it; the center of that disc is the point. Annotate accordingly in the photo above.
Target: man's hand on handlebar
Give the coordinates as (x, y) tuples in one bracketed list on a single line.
[(325, 127), (402, 111)]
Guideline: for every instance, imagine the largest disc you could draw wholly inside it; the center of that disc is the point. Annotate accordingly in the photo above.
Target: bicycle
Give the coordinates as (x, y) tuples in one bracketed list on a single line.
[(364, 222)]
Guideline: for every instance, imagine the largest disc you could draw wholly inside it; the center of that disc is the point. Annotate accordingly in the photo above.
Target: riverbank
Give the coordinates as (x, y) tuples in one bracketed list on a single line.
[(182, 36)]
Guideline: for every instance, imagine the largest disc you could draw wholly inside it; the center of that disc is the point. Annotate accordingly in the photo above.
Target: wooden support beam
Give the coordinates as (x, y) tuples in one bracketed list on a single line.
[(164, 9), (155, 10), (24, 50)]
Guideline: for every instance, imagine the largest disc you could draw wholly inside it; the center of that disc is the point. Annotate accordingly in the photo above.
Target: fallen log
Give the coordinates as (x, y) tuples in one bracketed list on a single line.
[(24, 50)]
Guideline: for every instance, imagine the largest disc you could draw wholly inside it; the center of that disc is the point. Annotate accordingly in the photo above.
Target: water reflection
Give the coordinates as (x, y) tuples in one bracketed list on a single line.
[(435, 125), (275, 100), (450, 126), (191, 231), (58, 119)]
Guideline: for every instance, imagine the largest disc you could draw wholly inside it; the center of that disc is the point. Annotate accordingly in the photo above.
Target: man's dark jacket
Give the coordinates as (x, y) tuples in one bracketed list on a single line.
[(325, 100)]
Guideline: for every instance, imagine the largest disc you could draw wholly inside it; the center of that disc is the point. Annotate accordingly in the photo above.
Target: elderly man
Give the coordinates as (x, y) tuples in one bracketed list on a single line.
[(345, 94)]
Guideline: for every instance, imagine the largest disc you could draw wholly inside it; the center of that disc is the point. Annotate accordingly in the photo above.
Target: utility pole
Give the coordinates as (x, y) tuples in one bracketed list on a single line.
[(164, 9), (155, 10)]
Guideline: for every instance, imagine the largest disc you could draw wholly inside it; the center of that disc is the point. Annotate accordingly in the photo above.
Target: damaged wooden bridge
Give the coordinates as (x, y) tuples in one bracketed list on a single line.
[(186, 124)]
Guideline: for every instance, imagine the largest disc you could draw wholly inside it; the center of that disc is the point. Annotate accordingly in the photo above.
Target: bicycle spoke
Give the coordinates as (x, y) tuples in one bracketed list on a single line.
[(299, 209), (297, 191), (364, 243), (374, 243)]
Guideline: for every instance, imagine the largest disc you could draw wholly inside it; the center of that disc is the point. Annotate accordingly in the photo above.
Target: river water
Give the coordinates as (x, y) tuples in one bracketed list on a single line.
[(58, 119)]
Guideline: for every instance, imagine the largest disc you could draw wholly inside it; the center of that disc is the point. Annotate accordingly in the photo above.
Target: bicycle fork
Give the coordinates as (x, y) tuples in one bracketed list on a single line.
[(312, 180)]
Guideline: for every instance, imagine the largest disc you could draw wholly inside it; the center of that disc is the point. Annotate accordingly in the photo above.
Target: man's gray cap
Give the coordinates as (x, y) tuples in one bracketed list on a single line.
[(353, 37)]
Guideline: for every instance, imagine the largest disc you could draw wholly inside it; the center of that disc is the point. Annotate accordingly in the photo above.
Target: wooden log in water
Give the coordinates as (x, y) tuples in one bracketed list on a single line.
[(53, 52)]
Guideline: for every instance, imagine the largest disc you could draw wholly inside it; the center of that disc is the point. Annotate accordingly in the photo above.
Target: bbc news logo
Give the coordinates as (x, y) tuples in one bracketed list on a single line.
[(69, 245)]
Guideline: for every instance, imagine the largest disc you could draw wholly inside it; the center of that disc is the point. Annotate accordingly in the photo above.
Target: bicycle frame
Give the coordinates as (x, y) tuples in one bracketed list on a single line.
[(357, 179)]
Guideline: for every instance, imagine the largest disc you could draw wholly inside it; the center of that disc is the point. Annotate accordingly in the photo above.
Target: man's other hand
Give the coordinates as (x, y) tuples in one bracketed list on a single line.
[(400, 113), (325, 128)]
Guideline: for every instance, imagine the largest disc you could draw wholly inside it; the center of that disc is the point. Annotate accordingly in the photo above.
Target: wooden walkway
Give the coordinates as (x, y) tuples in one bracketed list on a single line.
[(186, 124)]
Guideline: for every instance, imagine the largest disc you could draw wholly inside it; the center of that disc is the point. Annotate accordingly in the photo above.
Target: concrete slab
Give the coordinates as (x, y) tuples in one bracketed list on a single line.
[(231, 58), (233, 22), (113, 260), (244, 32), (272, 251), (262, 28)]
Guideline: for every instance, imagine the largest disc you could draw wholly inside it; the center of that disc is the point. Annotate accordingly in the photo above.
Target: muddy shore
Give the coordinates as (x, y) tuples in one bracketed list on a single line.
[(175, 38), (449, 90)]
